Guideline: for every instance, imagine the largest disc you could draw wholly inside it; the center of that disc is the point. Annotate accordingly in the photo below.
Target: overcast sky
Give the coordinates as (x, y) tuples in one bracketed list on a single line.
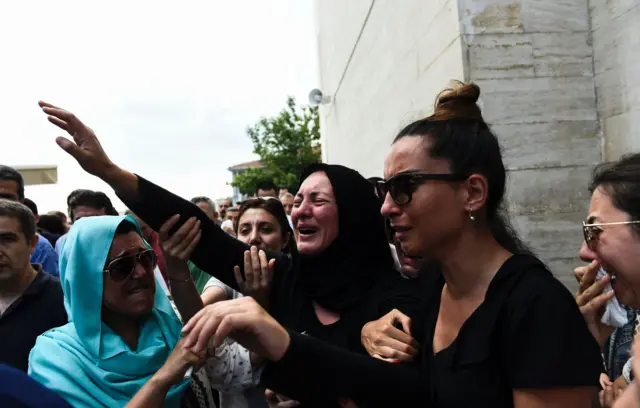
[(169, 87)]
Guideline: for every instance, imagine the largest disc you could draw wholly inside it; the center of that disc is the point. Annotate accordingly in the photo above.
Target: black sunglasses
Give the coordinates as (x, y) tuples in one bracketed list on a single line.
[(120, 269), (402, 186)]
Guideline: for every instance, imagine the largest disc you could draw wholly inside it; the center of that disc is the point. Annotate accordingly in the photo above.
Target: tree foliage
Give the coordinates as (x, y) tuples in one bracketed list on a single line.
[(286, 143)]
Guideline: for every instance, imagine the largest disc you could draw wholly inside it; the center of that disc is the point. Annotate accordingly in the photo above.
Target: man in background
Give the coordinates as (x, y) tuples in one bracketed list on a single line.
[(223, 205), (86, 203), (208, 206), (287, 202), (31, 300), (12, 188), (266, 189)]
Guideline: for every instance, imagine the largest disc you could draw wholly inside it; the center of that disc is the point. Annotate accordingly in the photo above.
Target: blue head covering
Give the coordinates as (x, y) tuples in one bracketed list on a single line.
[(85, 361)]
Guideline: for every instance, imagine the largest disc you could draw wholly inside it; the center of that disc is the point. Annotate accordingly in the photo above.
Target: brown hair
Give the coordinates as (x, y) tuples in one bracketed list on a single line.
[(274, 207), (459, 134)]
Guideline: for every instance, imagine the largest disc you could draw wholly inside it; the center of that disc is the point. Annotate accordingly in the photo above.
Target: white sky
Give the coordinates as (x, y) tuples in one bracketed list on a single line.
[(169, 87)]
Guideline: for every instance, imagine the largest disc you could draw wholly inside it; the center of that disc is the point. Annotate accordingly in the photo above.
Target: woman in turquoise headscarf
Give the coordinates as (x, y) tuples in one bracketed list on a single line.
[(122, 332)]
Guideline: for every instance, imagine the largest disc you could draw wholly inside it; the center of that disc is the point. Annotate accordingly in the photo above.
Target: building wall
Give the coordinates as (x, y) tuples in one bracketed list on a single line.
[(616, 47), (547, 80)]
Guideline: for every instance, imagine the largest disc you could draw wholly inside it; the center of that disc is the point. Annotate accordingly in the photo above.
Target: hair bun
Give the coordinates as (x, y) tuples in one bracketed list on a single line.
[(459, 101)]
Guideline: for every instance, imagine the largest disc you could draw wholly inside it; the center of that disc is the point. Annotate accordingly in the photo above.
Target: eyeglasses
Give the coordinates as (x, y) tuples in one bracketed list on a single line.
[(402, 186), (121, 268), (592, 231)]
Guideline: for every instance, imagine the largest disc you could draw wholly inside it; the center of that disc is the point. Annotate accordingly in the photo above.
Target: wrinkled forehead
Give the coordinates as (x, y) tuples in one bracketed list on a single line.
[(317, 182), (124, 244)]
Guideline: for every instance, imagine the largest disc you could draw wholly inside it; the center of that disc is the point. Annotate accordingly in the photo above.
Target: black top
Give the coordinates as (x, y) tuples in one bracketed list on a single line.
[(289, 301), (39, 309), (528, 333)]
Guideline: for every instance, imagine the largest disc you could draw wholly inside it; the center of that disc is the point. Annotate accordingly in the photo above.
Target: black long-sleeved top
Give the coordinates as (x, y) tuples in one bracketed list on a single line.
[(217, 253), (527, 334)]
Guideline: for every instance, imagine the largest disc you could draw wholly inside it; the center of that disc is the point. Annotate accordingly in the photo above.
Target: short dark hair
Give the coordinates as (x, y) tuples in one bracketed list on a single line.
[(31, 205), (620, 180), (10, 174), (266, 186), (51, 224), (23, 214), (93, 199)]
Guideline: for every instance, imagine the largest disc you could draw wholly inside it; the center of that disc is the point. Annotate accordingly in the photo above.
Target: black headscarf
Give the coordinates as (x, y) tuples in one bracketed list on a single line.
[(343, 275)]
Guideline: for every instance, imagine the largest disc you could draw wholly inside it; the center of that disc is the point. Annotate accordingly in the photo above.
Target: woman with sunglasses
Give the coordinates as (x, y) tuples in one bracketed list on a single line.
[(344, 276), (121, 345), (501, 331), (612, 243)]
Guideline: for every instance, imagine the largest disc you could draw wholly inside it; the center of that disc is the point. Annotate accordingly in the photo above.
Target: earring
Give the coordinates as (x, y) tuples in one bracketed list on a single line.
[(471, 217)]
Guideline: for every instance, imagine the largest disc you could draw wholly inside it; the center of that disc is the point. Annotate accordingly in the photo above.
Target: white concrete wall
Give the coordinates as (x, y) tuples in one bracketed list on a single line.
[(402, 55), (616, 48), (560, 84)]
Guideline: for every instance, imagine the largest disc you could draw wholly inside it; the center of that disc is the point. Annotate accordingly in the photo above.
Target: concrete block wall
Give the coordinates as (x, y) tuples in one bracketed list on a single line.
[(559, 82), (533, 61), (616, 48), (405, 53)]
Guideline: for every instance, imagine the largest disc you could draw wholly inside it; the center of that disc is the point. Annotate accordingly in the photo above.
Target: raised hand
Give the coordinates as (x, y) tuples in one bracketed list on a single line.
[(180, 244), (258, 275), (592, 300), (85, 147), (383, 340)]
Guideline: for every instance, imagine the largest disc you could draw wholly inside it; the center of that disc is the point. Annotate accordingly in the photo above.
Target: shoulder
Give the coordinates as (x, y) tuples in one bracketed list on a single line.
[(44, 244)]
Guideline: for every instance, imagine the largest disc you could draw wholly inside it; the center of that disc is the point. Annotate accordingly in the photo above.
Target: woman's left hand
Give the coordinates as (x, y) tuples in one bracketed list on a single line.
[(177, 247), (245, 321)]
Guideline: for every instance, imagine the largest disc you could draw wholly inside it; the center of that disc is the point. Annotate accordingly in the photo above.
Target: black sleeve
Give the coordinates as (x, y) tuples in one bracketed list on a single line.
[(216, 253), (312, 369), (548, 343)]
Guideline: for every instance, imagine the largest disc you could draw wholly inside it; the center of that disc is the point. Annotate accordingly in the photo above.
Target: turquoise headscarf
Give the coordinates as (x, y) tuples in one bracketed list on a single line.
[(84, 361)]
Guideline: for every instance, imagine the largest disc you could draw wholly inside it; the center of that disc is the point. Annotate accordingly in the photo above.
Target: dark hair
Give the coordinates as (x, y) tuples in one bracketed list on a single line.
[(459, 134), (274, 207), (23, 214), (93, 199), (51, 224), (126, 227), (31, 205), (620, 180), (266, 186), (59, 214), (10, 174)]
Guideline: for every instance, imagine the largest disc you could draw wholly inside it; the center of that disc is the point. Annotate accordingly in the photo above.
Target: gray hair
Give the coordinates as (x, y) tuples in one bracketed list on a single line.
[(23, 214), (286, 195), (203, 199), (10, 174)]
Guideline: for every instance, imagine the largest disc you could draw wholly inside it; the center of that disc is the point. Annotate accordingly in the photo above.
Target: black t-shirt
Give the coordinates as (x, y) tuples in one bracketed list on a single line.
[(528, 333), (39, 309)]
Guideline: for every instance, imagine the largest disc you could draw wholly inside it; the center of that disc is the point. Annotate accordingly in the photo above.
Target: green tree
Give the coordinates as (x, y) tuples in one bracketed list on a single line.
[(286, 143)]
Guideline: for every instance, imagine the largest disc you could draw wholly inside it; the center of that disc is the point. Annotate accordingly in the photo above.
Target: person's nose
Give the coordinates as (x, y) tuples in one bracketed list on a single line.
[(255, 239), (389, 207), (587, 254)]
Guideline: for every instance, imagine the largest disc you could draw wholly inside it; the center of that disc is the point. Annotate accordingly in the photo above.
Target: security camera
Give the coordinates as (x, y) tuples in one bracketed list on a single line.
[(316, 98)]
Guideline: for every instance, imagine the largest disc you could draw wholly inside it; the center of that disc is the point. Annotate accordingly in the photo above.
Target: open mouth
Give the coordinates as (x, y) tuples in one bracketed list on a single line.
[(307, 231)]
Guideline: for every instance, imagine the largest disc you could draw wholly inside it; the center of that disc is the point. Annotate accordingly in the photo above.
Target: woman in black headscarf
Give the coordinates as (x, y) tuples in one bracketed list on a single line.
[(343, 275)]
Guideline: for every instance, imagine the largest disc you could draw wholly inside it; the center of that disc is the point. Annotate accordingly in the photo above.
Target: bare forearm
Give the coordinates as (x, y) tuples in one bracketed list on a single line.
[(184, 292), (151, 395)]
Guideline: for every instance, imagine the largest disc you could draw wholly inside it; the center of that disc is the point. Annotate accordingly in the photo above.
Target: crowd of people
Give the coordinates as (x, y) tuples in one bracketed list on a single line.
[(410, 289)]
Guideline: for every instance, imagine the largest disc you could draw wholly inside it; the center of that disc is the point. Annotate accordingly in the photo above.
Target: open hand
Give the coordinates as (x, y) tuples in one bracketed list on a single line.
[(181, 243), (279, 401), (383, 340), (592, 300), (242, 319), (85, 148), (258, 275)]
